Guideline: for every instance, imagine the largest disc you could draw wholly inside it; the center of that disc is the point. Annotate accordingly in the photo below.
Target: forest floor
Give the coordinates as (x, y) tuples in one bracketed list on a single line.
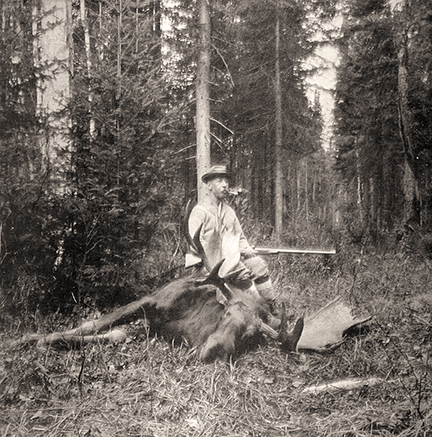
[(149, 387)]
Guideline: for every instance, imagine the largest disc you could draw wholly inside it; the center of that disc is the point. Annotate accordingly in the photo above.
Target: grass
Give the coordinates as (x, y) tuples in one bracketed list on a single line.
[(148, 387)]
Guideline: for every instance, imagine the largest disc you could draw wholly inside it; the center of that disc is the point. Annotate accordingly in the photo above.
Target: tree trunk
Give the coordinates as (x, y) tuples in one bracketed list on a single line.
[(278, 140), (306, 196), (298, 172), (202, 95), (410, 180), (294, 192), (338, 198), (373, 201), (84, 21), (360, 203), (118, 103), (52, 31)]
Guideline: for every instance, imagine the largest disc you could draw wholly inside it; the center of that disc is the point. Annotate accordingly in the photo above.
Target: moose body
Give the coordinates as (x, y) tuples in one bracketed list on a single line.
[(187, 309), (210, 313), (215, 318)]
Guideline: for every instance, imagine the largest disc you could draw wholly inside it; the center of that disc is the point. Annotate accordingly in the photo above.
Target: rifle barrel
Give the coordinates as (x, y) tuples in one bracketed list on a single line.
[(271, 251)]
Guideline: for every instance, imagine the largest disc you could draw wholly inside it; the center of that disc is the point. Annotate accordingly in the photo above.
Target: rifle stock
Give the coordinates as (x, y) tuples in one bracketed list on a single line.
[(271, 251)]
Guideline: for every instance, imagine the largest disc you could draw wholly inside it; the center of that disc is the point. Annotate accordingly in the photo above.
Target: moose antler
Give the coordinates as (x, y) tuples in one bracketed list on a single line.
[(213, 278), (195, 242), (289, 339), (187, 214)]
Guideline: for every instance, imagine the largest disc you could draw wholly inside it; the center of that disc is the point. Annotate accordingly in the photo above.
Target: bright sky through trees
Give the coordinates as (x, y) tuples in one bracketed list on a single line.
[(323, 79)]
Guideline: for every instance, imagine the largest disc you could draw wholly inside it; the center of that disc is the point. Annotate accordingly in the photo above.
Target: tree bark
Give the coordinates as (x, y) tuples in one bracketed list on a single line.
[(278, 139), (410, 179), (84, 21), (306, 196), (52, 31), (359, 187), (298, 186), (203, 152)]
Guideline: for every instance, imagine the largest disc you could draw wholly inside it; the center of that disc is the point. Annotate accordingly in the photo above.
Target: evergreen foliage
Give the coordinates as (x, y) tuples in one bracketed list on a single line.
[(371, 150), (245, 38), (124, 174), (25, 211), (118, 227)]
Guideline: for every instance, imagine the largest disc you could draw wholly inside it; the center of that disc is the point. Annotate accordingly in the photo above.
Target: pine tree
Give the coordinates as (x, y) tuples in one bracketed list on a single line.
[(366, 117), (249, 107)]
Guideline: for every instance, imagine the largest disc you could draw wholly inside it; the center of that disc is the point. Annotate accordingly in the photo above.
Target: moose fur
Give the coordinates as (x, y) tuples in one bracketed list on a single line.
[(186, 309)]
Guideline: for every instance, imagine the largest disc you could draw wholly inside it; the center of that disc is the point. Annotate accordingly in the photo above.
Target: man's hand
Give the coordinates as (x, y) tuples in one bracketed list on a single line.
[(249, 252)]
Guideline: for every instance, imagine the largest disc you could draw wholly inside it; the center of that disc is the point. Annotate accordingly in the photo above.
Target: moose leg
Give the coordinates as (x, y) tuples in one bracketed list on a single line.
[(114, 336)]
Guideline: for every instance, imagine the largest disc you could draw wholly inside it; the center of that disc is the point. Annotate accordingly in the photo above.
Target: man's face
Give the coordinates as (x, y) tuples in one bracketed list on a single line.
[(218, 187)]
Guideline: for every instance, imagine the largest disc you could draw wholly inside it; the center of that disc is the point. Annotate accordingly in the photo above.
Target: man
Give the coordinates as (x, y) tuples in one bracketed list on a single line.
[(222, 237)]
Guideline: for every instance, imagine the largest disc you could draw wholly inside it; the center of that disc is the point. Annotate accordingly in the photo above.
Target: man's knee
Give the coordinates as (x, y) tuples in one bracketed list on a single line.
[(261, 276)]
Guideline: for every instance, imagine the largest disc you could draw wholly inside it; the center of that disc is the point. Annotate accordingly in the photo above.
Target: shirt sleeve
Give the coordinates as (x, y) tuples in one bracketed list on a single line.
[(243, 242), (196, 219)]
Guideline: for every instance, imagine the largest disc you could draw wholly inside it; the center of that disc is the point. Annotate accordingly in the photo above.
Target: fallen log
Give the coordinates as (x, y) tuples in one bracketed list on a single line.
[(342, 385)]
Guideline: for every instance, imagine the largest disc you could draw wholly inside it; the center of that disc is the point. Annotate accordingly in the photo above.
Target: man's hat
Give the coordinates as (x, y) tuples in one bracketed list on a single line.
[(214, 172)]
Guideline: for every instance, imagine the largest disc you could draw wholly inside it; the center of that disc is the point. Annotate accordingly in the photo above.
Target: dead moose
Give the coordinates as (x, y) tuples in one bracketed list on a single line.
[(215, 319), (209, 316), (186, 309)]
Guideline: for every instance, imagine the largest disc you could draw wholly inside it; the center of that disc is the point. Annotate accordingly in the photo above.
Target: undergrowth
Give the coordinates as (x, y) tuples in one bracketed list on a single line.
[(148, 387)]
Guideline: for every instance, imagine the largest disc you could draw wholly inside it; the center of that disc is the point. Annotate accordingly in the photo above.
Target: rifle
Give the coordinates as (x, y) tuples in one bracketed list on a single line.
[(271, 251)]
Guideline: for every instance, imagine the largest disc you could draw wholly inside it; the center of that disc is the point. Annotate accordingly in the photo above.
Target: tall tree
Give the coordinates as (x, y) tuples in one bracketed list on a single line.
[(52, 25), (366, 115), (203, 153), (88, 57), (403, 30), (279, 204)]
